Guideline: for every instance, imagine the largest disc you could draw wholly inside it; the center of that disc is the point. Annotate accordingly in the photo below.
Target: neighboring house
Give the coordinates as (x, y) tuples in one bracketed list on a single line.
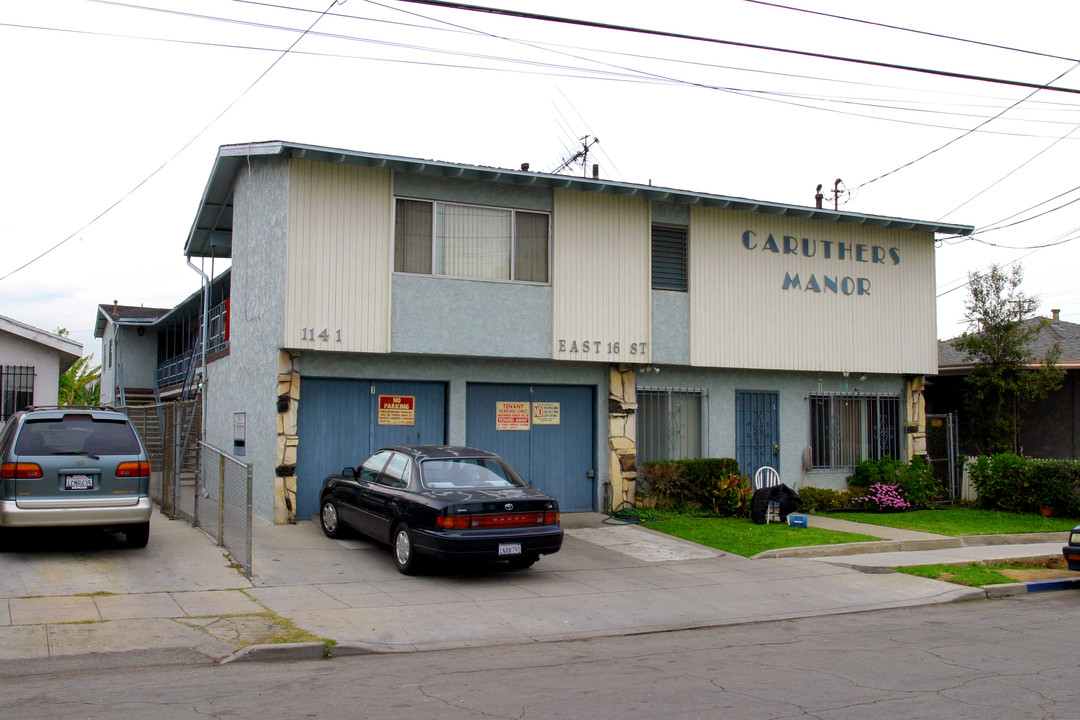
[(31, 363), (577, 326), (153, 354), (1049, 428)]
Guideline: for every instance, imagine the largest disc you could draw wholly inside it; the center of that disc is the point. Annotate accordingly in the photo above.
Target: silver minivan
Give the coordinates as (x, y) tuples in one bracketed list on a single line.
[(75, 466)]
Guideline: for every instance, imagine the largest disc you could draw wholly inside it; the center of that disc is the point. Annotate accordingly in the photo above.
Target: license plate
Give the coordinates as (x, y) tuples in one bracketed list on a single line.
[(509, 548), (78, 482)]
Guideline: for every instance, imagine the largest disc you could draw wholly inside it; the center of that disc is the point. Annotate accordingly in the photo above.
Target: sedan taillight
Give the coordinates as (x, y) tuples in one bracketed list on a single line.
[(489, 521), (20, 470), (133, 469)]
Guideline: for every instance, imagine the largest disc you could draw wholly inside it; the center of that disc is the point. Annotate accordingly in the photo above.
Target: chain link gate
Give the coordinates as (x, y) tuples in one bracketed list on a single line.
[(942, 451)]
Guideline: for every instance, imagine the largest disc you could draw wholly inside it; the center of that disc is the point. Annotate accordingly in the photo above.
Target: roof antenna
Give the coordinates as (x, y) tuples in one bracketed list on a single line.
[(581, 157)]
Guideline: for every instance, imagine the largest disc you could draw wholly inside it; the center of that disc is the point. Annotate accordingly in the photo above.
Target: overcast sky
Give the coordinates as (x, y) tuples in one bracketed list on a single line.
[(113, 113)]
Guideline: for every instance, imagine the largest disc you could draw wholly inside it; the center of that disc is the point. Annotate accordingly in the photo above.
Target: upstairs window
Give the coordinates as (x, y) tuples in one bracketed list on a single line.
[(471, 241), (669, 251)]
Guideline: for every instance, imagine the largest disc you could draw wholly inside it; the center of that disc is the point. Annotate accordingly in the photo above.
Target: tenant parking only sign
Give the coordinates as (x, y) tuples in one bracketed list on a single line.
[(512, 415), (397, 410)]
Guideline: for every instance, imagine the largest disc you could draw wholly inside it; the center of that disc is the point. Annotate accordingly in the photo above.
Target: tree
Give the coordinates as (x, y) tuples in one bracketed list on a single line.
[(80, 384), (1006, 377)]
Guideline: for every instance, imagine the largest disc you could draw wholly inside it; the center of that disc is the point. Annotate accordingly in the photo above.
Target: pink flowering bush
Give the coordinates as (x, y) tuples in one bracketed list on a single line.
[(881, 496)]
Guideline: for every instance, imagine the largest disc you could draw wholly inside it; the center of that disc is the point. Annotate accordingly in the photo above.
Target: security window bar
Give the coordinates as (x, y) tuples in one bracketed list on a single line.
[(672, 423), (471, 241), (846, 429), (16, 389), (669, 257)]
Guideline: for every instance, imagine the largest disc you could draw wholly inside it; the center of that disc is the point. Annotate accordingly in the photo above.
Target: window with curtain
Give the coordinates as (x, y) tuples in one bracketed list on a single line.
[(472, 241), (847, 428), (671, 423)]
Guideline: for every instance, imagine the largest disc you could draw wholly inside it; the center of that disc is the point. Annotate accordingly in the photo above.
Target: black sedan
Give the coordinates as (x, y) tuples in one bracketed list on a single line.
[(446, 502)]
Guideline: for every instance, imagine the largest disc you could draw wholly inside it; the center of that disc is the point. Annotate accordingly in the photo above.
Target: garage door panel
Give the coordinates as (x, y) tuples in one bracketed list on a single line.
[(337, 426), (554, 458)]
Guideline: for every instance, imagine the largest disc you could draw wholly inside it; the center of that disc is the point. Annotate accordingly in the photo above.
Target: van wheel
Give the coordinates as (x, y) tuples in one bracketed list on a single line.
[(137, 535)]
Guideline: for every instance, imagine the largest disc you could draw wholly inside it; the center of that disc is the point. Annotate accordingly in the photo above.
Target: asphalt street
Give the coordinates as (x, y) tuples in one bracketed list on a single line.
[(991, 660)]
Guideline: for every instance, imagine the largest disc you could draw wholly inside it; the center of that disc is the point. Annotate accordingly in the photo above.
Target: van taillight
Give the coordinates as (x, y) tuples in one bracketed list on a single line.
[(133, 469), (17, 470)]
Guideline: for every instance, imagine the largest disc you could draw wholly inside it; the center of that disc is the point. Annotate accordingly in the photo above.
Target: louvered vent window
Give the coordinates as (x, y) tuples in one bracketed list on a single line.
[(669, 257)]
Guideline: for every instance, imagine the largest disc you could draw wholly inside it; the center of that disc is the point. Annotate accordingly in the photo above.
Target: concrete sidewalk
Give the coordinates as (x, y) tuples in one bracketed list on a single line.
[(609, 579)]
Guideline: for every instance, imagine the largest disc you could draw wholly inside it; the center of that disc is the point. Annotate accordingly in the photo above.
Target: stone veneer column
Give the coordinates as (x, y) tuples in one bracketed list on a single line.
[(622, 435), (285, 472), (915, 427)]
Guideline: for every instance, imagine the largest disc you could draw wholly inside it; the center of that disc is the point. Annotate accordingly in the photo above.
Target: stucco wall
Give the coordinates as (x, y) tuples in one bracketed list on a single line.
[(794, 414), (434, 315), (15, 350), (246, 380), (137, 355)]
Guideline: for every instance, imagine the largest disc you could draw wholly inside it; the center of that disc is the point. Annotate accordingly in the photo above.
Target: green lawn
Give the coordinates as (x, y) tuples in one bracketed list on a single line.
[(964, 521), (740, 536), (973, 575)]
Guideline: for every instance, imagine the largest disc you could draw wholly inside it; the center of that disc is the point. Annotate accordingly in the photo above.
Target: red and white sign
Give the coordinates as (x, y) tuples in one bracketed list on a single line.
[(397, 410), (546, 413), (512, 415)]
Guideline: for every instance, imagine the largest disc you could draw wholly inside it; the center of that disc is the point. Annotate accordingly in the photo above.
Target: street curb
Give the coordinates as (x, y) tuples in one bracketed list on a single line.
[(884, 546), (1023, 588), (278, 651)]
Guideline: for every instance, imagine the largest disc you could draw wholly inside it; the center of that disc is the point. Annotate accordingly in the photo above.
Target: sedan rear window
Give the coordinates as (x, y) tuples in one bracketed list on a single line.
[(468, 473), (77, 435)]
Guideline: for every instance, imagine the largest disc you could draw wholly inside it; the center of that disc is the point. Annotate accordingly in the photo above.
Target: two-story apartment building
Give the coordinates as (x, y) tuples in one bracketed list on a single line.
[(576, 326)]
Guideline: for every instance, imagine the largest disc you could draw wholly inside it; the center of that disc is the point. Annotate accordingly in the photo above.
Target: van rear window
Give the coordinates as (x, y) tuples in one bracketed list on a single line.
[(76, 435)]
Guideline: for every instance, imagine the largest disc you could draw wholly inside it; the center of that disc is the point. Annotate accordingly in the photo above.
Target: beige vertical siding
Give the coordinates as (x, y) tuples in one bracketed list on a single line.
[(741, 315), (340, 250), (601, 278)]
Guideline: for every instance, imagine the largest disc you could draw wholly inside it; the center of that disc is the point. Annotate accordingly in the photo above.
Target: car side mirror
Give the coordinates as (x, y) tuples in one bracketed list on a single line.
[(349, 472)]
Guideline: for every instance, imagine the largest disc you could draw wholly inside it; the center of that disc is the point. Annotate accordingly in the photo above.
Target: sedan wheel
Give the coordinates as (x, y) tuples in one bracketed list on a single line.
[(331, 522), (405, 556)]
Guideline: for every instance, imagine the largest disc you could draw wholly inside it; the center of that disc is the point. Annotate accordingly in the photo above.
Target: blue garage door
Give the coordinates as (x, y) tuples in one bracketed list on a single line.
[(552, 445), (339, 424)]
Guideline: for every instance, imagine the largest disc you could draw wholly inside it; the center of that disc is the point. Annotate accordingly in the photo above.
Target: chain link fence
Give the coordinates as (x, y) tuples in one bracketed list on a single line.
[(942, 452), (223, 503), (193, 481)]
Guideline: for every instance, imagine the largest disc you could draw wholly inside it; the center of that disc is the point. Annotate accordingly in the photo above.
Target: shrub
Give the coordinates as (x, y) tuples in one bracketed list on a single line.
[(1058, 484), (917, 483), (711, 484), (1017, 484), (869, 472), (824, 499), (1002, 483), (881, 496)]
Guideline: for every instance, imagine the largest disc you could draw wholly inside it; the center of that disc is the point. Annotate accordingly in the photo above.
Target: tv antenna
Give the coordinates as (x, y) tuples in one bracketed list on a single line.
[(581, 157)]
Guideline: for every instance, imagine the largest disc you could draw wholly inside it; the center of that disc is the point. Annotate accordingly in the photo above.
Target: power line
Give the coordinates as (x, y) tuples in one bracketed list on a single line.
[(911, 30), (735, 43), (176, 154), (962, 135)]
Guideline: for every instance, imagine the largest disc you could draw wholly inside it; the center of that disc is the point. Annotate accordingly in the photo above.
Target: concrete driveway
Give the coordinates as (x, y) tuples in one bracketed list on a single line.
[(37, 562)]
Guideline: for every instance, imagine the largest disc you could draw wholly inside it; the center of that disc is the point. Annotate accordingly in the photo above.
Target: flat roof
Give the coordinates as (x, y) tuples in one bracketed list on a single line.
[(211, 233)]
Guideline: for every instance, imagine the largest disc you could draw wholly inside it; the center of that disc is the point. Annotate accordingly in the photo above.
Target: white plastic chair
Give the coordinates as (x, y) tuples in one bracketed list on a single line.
[(768, 477)]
